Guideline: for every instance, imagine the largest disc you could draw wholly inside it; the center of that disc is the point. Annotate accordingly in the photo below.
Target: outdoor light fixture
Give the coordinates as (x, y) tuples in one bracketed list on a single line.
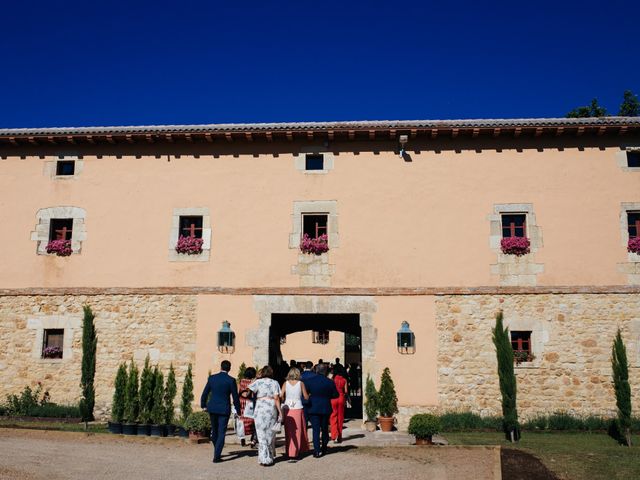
[(320, 336), (403, 139), (283, 339), (406, 340), (226, 338)]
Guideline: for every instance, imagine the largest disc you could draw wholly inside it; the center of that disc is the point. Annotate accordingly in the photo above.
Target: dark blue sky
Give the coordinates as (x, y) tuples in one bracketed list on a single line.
[(115, 63)]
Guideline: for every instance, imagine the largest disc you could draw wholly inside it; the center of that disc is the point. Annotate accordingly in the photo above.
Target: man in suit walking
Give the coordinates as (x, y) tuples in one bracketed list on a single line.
[(222, 388), (321, 391), (306, 375)]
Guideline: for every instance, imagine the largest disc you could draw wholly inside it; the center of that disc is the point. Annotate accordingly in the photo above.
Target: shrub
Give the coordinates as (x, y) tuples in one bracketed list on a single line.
[(468, 421), (564, 421), (387, 399), (187, 395), (169, 396), (515, 246), (315, 246), (157, 409), (371, 400), (53, 410), (146, 392), (241, 371), (61, 248), (189, 245), (198, 422), (117, 410), (89, 344), (539, 422), (634, 245), (131, 396), (26, 402), (424, 425)]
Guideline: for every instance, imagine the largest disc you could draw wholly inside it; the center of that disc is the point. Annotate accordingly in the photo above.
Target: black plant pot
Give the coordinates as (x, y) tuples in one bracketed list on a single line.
[(158, 431), (183, 433), (171, 430), (115, 427), (144, 430), (129, 428)]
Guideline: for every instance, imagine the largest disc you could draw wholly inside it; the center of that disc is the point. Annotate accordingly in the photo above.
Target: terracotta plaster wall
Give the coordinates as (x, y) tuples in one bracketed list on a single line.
[(417, 223)]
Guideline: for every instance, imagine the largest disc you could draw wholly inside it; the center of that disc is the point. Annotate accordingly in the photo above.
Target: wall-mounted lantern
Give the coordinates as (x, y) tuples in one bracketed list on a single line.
[(283, 339), (406, 340), (320, 336), (226, 338)]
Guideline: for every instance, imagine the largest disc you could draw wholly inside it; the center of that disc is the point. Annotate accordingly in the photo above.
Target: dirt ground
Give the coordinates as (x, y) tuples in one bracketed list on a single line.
[(50, 455)]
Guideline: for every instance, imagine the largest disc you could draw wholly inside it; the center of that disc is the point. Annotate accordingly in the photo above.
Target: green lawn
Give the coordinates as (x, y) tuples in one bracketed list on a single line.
[(573, 456)]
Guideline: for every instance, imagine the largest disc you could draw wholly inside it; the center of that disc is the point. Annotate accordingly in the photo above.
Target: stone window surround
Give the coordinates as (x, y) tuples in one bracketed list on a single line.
[(621, 158), (69, 323), (43, 227), (50, 167), (539, 336), (632, 266), (175, 231), (330, 207), (300, 159)]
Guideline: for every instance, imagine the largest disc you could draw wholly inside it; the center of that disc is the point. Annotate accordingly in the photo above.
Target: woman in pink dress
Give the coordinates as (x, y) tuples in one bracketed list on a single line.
[(337, 415), (295, 428), (246, 397)]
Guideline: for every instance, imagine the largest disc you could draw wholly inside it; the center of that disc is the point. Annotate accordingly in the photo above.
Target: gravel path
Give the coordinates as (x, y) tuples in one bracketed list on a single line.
[(40, 455)]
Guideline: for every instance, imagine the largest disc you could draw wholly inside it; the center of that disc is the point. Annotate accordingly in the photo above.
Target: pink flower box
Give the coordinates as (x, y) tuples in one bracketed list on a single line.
[(515, 246), (634, 245), (315, 246), (52, 352), (61, 248), (189, 245)]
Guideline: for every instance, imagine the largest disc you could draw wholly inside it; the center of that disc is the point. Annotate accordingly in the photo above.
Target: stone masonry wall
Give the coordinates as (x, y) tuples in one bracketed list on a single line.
[(128, 326), (572, 337)]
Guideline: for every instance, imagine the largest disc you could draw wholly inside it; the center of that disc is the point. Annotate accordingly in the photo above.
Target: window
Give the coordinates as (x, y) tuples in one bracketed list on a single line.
[(52, 343), (320, 336), (514, 225), (521, 343), (60, 229), (633, 158), (191, 226), (314, 162), (633, 224), (65, 167), (314, 224)]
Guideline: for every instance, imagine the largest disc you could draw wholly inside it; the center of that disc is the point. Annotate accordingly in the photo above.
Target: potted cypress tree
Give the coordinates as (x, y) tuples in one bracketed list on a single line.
[(158, 428), (169, 396), (131, 401), (186, 400), (146, 399), (117, 408), (424, 426), (371, 405), (387, 401)]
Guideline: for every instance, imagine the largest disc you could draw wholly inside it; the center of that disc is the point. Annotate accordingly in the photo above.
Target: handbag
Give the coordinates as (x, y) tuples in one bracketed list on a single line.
[(239, 428), (277, 427), (249, 410)]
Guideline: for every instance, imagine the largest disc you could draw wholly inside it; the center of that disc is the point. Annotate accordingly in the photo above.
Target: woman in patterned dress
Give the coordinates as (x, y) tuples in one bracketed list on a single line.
[(266, 414), (246, 397)]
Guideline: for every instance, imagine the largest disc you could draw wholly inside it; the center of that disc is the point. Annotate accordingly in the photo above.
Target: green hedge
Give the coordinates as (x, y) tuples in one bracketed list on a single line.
[(467, 421)]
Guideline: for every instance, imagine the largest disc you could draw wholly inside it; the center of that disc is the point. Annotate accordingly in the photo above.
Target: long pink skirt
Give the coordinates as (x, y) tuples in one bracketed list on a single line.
[(295, 432)]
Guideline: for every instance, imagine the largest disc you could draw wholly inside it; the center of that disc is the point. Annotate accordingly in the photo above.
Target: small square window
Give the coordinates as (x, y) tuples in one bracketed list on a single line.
[(52, 343), (65, 167), (61, 229), (514, 225), (314, 224), (633, 224), (191, 226), (521, 343), (320, 336), (314, 162), (633, 158)]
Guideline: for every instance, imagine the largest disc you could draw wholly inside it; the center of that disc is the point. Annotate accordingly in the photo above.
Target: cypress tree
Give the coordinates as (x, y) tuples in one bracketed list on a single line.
[(387, 400), (146, 392), (117, 409), (187, 394), (89, 344), (371, 402), (620, 368), (157, 410), (131, 398), (504, 353), (169, 396)]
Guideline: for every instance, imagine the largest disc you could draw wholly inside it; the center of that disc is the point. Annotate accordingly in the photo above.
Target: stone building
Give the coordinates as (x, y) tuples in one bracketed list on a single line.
[(418, 216)]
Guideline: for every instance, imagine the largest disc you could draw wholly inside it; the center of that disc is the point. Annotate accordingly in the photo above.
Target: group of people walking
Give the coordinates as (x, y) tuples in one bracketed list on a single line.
[(306, 396)]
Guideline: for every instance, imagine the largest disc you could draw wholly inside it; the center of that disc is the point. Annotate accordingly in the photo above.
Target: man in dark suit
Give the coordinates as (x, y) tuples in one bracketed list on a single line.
[(321, 391), (306, 375), (222, 387)]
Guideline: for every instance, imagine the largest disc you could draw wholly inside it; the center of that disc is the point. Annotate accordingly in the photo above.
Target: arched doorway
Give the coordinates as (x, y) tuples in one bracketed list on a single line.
[(345, 325)]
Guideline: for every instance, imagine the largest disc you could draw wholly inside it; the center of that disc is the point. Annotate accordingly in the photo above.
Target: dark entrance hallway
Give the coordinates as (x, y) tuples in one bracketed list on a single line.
[(283, 324)]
